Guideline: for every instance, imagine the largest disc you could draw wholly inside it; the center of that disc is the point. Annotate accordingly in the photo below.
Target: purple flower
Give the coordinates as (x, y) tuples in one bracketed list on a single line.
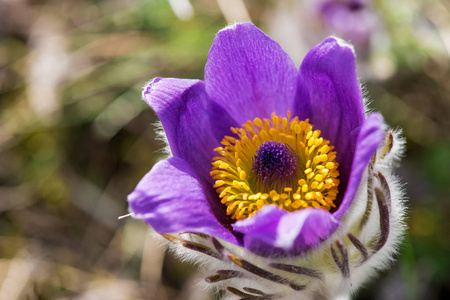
[(249, 76), (273, 162), (354, 20)]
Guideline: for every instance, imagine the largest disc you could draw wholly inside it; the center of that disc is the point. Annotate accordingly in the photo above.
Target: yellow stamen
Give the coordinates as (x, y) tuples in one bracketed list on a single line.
[(315, 184)]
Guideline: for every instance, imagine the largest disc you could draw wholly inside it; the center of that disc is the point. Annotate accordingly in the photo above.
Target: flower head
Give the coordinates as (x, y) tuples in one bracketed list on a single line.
[(274, 172), (351, 19)]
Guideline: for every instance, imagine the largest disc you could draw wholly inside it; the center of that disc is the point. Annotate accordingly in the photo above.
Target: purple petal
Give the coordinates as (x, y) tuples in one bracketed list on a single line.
[(172, 198), (353, 20), (249, 74), (331, 92), (274, 232), (370, 137), (191, 122)]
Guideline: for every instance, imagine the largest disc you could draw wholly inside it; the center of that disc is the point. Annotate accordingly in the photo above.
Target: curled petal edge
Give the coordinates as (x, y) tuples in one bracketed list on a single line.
[(370, 137), (275, 232)]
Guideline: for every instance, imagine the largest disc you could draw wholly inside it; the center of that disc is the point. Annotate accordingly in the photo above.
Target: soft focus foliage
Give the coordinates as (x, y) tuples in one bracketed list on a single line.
[(75, 136)]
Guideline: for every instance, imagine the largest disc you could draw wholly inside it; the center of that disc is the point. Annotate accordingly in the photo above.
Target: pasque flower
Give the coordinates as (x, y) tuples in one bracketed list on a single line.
[(354, 20), (278, 182)]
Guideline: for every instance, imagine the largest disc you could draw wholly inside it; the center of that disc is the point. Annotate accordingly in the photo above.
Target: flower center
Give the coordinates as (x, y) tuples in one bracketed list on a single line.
[(279, 161), (273, 165)]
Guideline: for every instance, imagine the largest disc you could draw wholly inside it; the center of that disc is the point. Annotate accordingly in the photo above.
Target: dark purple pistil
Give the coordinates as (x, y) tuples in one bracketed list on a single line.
[(273, 163)]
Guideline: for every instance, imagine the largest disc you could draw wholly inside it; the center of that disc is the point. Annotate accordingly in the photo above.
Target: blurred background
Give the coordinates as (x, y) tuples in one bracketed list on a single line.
[(75, 136)]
